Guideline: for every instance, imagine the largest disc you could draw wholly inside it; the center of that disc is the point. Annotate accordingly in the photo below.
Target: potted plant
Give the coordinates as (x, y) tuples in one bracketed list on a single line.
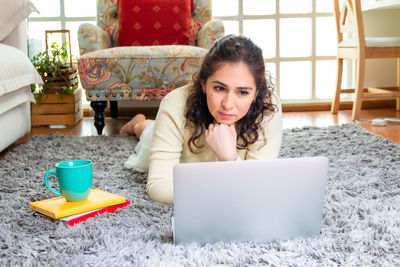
[(58, 73)]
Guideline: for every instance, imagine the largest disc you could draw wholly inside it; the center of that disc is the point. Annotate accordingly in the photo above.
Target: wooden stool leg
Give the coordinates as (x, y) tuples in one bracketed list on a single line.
[(336, 99), (360, 73)]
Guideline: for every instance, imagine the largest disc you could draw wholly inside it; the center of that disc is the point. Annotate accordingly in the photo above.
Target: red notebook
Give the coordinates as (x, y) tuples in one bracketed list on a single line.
[(80, 217)]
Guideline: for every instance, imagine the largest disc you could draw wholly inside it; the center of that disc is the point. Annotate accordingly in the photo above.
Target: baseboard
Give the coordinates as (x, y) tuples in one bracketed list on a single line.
[(345, 105)]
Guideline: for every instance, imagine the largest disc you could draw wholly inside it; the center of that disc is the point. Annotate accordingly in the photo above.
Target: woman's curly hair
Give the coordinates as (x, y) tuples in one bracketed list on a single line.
[(231, 49)]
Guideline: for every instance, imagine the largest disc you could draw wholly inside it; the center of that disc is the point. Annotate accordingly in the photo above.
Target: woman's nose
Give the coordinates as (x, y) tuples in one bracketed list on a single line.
[(227, 102)]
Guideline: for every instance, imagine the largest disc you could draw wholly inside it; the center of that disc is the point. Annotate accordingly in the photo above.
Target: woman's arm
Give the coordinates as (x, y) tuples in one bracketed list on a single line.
[(166, 147)]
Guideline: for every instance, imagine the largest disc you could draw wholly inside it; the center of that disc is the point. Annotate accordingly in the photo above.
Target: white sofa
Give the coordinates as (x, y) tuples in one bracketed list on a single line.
[(16, 75)]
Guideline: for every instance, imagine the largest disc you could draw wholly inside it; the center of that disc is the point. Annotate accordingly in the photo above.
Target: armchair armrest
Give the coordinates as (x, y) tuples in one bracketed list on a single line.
[(92, 38), (210, 32)]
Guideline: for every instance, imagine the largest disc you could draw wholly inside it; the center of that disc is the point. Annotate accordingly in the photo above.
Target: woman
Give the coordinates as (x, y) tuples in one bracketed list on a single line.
[(228, 113)]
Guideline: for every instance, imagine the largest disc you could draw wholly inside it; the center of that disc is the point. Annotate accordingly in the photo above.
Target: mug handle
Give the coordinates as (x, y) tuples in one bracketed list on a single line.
[(47, 183)]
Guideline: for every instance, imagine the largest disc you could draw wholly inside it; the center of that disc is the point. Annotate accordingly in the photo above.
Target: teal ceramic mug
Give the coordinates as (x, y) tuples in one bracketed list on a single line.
[(74, 179)]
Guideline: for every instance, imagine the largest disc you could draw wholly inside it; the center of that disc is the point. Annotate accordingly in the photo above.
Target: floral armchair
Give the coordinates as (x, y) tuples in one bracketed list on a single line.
[(109, 72)]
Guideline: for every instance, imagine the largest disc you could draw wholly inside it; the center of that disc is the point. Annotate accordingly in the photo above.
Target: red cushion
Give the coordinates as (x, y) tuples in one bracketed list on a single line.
[(192, 6), (154, 22)]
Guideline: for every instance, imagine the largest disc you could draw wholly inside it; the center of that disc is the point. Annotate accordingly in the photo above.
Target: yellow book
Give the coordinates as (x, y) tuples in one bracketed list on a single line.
[(58, 207)]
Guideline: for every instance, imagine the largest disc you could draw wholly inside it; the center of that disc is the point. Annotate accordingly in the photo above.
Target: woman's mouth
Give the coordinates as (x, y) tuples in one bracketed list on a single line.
[(225, 115)]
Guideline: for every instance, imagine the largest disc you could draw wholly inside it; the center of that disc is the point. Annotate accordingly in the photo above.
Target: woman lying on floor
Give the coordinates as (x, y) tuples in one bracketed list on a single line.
[(228, 113)]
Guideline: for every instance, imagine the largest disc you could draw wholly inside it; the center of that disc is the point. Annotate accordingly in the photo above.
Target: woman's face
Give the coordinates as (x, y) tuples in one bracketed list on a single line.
[(230, 92)]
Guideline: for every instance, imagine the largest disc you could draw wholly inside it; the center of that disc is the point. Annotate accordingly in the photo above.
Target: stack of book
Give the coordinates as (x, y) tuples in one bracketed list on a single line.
[(96, 203)]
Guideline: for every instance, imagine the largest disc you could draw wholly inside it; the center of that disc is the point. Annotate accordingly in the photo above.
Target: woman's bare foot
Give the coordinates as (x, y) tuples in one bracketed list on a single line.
[(129, 127)]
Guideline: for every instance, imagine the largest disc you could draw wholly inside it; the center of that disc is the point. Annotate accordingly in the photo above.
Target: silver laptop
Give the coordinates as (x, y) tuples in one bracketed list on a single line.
[(252, 200)]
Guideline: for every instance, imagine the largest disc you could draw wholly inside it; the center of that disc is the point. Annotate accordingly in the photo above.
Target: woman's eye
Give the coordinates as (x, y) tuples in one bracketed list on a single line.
[(242, 92), (219, 88)]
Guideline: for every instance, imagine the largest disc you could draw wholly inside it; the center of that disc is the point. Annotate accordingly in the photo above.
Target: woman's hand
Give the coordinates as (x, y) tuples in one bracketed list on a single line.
[(221, 138)]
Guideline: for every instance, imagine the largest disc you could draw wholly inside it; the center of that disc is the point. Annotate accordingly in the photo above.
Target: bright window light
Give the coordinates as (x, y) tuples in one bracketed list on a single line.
[(256, 7), (231, 26), (326, 36), (296, 6), (47, 8), (325, 78), (295, 80), (225, 8), (266, 40), (87, 8), (295, 37)]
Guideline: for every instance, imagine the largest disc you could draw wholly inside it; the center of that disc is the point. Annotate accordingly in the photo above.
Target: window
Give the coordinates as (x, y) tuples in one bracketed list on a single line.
[(60, 14), (55, 15), (298, 39)]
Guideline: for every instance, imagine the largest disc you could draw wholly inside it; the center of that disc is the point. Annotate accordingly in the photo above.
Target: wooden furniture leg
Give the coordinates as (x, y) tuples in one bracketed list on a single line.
[(398, 84), (98, 107), (339, 75), (360, 73), (114, 109)]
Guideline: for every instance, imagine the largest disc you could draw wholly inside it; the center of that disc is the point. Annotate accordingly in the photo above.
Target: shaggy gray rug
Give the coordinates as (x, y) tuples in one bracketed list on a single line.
[(361, 218)]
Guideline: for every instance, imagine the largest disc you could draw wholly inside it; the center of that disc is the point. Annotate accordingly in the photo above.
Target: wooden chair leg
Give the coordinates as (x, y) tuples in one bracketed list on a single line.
[(398, 84), (98, 107), (360, 73), (336, 98), (114, 109), (398, 102)]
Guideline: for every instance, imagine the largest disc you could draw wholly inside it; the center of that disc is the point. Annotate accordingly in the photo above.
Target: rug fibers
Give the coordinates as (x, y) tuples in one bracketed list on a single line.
[(360, 225)]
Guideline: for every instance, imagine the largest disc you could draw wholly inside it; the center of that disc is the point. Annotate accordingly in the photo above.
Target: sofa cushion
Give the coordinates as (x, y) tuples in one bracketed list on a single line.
[(15, 98), (123, 73), (15, 118), (154, 22), (13, 13), (19, 71)]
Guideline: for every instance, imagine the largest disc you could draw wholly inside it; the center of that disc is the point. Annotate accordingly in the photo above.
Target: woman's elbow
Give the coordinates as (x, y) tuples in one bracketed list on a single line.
[(161, 192)]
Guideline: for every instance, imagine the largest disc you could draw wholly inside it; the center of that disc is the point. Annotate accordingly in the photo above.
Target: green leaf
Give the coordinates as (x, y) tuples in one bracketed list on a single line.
[(50, 63)]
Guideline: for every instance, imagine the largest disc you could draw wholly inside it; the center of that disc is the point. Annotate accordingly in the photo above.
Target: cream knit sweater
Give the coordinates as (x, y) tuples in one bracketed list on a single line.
[(170, 144)]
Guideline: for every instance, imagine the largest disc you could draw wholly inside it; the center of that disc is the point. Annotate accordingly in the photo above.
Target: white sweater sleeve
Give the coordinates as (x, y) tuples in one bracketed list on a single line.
[(166, 149)]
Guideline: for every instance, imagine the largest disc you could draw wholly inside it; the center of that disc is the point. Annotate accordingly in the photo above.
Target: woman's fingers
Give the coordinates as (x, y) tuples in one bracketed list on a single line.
[(221, 138)]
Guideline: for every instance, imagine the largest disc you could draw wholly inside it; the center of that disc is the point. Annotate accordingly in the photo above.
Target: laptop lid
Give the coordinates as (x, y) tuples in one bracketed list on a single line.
[(252, 200)]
